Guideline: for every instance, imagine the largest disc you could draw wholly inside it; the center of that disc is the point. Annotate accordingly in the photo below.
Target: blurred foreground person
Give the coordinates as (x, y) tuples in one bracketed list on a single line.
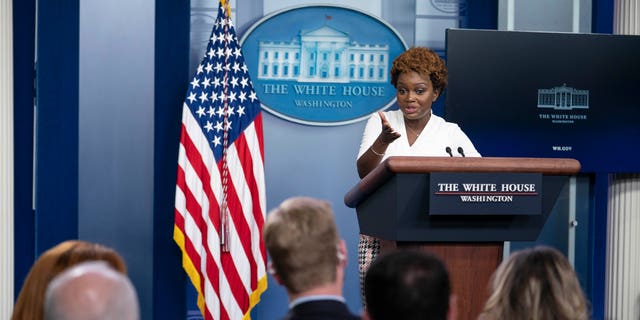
[(91, 290), (30, 302), (410, 285), (308, 258), (536, 284)]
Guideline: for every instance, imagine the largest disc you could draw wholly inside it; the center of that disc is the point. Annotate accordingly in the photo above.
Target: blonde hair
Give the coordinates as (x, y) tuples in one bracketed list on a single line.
[(30, 302), (302, 239), (536, 283)]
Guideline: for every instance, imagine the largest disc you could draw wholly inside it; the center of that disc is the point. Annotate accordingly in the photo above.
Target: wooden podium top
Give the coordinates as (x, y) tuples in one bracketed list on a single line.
[(404, 164)]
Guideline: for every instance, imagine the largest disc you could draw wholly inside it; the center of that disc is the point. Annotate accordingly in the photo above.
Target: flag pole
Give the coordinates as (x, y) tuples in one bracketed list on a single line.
[(224, 209)]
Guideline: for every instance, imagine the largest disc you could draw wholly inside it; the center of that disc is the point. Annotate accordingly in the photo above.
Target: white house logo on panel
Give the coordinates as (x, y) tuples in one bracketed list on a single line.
[(563, 98), (563, 104), (322, 65)]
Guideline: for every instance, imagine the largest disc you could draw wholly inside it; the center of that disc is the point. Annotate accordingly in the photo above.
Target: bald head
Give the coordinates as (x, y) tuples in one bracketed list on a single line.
[(91, 290)]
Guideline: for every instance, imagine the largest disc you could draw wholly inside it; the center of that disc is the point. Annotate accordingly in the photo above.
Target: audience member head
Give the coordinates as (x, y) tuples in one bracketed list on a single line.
[(302, 239), (91, 290), (408, 284), (424, 62), (536, 283), (30, 302)]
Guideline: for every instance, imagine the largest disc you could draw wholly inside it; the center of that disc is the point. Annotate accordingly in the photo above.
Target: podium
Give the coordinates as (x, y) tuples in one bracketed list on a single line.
[(461, 210)]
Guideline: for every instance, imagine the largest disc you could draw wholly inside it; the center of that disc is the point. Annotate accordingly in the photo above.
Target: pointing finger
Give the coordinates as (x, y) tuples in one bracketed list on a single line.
[(382, 117)]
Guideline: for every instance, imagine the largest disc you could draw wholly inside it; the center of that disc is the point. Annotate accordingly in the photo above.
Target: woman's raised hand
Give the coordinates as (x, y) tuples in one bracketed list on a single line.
[(388, 134)]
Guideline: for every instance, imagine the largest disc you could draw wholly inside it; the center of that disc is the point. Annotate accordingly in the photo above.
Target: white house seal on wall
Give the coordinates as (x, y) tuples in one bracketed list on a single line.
[(322, 65)]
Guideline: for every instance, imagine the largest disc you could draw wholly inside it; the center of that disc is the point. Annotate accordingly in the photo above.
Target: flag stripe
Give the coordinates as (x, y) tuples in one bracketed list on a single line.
[(241, 180), (211, 223), (238, 227), (188, 247), (220, 282), (194, 226), (256, 143)]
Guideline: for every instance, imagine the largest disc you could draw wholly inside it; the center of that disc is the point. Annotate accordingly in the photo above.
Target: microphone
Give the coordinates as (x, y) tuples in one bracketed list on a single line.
[(460, 151), (448, 150)]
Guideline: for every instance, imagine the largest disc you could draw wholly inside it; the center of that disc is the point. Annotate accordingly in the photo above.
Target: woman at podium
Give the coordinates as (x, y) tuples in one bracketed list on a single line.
[(419, 76)]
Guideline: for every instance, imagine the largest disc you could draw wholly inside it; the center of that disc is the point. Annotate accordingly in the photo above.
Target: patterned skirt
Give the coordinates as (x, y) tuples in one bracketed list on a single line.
[(368, 250)]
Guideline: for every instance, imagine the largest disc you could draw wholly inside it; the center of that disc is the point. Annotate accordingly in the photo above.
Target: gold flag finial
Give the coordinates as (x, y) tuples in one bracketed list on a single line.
[(226, 6)]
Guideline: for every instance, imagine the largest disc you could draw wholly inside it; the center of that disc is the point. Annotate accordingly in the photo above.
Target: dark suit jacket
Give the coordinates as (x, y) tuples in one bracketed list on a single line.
[(321, 310)]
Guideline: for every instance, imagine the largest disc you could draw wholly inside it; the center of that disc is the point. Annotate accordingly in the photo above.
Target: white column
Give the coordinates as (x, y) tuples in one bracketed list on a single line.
[(622, 296), (626, 17), (6, 158)]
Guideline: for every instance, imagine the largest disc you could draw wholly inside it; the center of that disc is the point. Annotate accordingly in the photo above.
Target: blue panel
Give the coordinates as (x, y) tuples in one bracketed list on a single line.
[(57, 123), (171, 80), (481, 15), (598, 237), (583, 246), (554, 232), (602, 16), (23, 67), (115, 142)]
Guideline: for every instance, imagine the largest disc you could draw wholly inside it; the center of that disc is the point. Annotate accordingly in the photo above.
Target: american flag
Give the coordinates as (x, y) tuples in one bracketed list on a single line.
[(220, 189)]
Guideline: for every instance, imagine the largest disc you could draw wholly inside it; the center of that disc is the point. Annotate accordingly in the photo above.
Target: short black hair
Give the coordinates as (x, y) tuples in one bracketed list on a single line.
[(407, 284)]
